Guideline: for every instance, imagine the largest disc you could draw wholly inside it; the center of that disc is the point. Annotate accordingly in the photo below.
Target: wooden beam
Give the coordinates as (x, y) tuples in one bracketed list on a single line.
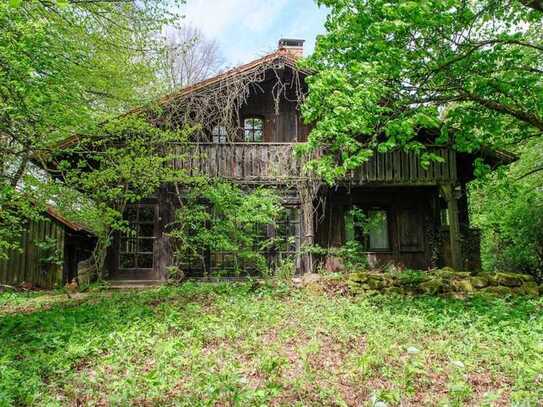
[(449, 194)]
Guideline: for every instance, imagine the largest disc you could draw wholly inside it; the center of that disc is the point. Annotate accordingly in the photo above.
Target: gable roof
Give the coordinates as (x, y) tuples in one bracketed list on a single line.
[(282, 55)]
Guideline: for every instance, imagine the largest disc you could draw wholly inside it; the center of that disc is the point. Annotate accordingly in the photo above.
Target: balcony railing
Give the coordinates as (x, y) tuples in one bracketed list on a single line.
[(277, 163)]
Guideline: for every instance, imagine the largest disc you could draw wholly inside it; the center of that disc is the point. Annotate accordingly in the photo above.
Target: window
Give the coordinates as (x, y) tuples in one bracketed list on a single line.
[(219, 134), (253, 129), (287, 231), (444, 216), (377, 230), (369, 227), (273, 242), (136, 247)]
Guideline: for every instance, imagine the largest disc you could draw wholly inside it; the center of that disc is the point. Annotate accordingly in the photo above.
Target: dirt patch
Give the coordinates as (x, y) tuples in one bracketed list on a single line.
[(45, 303), (320, 362)]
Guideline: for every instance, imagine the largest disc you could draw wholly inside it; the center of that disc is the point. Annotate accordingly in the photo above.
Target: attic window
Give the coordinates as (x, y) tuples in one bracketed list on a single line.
[(219, 134), (253, 129)]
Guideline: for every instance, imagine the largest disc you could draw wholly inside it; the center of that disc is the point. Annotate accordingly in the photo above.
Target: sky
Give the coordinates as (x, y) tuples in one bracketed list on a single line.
[(248, 29)]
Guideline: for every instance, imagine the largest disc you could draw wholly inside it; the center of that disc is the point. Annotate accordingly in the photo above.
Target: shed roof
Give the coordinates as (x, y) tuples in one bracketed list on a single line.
[(76, 227)]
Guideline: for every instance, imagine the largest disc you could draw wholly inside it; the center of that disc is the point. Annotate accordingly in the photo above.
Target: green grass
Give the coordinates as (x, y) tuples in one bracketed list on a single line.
[(234, 344)]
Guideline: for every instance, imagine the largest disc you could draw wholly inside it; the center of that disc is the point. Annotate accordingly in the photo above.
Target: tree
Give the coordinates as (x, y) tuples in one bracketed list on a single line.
[(223, 218), (507, 205), (189, 57), (125, 162), (66, 66), (471, 70)]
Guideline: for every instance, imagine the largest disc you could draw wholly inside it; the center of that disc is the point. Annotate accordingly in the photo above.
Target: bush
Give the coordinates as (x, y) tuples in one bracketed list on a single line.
[(508, 207)]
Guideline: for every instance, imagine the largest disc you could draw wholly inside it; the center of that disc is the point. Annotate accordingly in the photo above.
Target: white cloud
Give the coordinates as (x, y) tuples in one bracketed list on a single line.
[(247, 29), (214, 17)]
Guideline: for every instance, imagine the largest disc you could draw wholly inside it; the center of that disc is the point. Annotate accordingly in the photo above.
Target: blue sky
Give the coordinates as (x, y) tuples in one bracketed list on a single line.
[(247, 29)]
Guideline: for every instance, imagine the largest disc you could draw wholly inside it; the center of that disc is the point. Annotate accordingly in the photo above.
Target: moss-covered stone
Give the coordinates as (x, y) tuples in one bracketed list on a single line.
[(498, 291), (508, 279), (479, 282), (376, 282), (360, 277), (463, 285), (443, 281), (393, 291), (432, 286), (530, 289), (450, 273), (527, 278)]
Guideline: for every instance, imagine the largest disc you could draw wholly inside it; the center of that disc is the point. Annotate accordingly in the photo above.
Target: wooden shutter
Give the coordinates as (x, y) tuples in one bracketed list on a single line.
[(410, 230)]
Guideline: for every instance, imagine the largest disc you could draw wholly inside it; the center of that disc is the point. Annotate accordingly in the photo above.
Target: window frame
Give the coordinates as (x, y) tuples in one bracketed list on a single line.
[(253, 130), (221, 138), (366, 241), (133, 242)]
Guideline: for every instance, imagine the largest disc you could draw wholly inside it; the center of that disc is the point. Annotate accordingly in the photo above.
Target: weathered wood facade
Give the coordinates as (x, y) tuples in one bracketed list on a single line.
[(276, 163), (422, 212), (68, 241)]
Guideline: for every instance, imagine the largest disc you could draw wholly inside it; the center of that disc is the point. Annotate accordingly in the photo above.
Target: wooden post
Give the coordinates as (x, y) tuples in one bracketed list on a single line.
[(308, 191), (449, 194), (309, 234)]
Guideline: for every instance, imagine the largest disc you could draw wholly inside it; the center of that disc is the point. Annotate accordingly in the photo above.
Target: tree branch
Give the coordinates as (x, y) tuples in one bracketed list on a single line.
[(533, 171), (526, 117), (533, 4), (481, 44)]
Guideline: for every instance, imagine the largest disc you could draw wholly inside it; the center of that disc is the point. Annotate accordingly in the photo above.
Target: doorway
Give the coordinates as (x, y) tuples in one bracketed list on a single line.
[(136, 247)]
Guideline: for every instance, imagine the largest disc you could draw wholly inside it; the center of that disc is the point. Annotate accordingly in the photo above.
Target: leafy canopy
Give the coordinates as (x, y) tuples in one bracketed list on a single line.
[(470, 70), (507, 205), (65, 67), (126, 162)]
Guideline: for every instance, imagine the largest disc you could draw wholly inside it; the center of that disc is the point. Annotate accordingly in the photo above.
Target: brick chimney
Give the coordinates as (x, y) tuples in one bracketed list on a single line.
[(295, 47)]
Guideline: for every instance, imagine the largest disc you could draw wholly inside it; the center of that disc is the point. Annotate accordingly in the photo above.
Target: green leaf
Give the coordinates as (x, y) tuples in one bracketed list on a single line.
[(15, 3)]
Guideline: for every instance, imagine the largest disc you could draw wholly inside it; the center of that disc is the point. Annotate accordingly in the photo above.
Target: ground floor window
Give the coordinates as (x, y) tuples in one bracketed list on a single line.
[(272, 242), (136, 245), (368, 226)]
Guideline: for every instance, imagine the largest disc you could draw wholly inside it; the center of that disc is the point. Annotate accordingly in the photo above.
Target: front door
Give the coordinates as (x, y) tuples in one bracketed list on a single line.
[(136, 258)]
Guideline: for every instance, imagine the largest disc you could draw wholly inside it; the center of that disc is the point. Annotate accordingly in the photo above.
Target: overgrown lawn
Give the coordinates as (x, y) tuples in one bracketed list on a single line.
[(244, 344)]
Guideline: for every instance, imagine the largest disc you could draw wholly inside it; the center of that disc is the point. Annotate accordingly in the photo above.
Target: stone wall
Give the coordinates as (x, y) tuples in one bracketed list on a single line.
[(443, 281)]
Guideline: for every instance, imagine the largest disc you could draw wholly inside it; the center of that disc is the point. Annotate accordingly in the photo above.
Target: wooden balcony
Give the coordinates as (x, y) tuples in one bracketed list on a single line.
[(244, 162), (275, 163)]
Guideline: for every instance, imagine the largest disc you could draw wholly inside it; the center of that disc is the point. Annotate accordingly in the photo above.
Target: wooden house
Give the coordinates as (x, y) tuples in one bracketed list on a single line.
[(420, 214), (51, 248)]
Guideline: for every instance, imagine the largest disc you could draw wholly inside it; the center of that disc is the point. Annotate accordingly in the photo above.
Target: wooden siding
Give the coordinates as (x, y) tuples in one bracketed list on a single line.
[(403, 168), (248, 162), (25, 265), (276, 163)]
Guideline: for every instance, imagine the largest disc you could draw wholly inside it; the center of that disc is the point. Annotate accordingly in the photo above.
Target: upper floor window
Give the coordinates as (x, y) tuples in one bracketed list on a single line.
[(219, 134), (253, 129)]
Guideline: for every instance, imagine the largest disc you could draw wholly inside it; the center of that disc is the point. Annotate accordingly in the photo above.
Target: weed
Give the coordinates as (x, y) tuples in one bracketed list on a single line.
[(249, 344)]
